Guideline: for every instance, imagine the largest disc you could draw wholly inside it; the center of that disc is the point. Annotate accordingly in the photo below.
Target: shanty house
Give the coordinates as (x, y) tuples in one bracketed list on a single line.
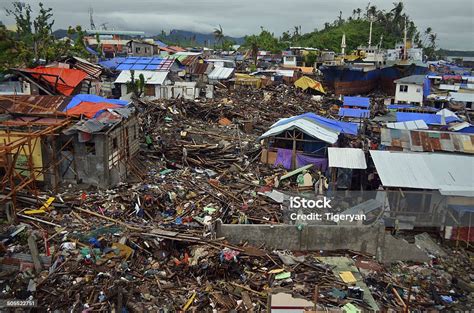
[(155, 83), (300, 140), (421, 187), (410, 89)]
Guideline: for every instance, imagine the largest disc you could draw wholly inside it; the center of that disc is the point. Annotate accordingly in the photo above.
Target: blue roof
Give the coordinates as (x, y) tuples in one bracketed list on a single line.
[(400, 106), (77, 99), (91, 51), (139, 63), (467, 130), (342, 127), (430, 119), (112, 63), (361, 102), (359, 113), (160, 43)]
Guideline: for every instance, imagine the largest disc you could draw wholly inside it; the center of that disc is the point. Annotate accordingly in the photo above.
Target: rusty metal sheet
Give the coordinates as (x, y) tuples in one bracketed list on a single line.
[(33, 103)]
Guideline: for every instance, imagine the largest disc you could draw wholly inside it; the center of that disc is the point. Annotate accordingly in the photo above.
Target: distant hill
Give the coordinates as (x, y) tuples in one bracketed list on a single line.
[(60, 33), (456, 53), (185, 37)]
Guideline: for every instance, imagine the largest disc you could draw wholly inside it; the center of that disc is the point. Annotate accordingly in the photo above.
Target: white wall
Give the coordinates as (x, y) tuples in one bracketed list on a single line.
[(289, 60), (414, 94)]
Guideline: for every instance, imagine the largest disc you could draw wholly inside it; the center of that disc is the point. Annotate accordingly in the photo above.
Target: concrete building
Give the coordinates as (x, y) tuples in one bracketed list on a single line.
[(141, 48), (410, 89)]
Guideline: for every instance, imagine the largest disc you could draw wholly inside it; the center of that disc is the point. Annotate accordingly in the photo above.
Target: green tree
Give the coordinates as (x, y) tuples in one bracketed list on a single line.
[(218, 35), (136, 86)]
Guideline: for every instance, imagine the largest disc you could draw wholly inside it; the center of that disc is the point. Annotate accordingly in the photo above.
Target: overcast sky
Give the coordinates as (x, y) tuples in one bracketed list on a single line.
[(452, 20)]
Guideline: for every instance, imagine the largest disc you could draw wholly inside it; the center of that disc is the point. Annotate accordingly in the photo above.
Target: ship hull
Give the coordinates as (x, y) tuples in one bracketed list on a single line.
[(347, 81), (394, 72)]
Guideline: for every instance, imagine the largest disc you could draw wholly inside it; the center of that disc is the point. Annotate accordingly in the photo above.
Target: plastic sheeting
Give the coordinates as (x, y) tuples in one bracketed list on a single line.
[(284, 158), (320, 163), (92, 98), (361, 102), (305, 82)]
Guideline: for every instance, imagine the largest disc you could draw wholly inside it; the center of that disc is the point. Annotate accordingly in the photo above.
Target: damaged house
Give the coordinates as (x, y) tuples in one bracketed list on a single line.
[(54, 139)]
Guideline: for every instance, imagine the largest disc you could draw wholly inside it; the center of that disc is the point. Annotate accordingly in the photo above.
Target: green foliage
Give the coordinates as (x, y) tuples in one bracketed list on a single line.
[(263, 41), (34, 41), (310, 59), (136, 86), (8, 51)]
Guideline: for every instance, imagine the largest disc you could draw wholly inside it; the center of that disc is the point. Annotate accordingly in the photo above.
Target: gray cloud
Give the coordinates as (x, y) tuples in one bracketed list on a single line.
[(453, 20)]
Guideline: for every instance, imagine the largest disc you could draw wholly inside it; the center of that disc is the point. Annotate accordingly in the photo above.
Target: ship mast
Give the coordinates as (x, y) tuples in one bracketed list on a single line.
[(405, 40), (370, 33)]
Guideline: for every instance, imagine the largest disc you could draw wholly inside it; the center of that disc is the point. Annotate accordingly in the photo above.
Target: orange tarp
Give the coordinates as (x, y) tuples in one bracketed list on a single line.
[(90, 109), (65, 80)]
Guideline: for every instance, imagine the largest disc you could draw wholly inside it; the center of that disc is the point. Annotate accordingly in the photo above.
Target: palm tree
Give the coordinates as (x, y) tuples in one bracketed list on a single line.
[(359, 11), (218, 34)]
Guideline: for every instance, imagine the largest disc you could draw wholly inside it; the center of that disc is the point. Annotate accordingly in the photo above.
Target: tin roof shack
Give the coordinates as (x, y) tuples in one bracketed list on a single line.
[(410, 89), (300, 140), (420, 187), (102, 148), (347, 168)]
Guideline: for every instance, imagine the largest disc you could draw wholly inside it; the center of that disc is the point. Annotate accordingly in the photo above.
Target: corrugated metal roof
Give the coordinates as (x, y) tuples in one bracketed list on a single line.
[(33, 104), (146, 63), (151, 77), (200, 68), (306, 126), (221, 73), (359, 113), (346, 158), (427, 141), (413, 79), (462, 97), (418, 124), (361, 102), (451, 174)]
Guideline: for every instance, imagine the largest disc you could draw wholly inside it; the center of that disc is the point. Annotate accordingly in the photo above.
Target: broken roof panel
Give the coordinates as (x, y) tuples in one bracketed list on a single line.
[(361, 102), (436, 171), (64, 80), (151, 77), (221, 73), (33, 103), (347, 158)]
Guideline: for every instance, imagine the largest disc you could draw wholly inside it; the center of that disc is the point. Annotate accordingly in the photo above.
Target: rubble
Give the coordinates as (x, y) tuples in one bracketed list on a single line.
[(150, 243)]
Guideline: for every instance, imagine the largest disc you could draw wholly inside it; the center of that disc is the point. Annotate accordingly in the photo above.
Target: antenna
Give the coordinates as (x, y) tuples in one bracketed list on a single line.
[(91, 13)]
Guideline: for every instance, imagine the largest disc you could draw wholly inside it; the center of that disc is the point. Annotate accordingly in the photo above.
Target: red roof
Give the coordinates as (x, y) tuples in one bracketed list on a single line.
[(64, 80), (90, 109)]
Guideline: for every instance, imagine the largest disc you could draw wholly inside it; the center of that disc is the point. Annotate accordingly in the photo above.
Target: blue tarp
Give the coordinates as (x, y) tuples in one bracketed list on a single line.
[(361, 102), (359, 113), (342, 127), (466, 130), (91, 51), (426, 87), (430, 119), (112, 63), (92, 98)]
